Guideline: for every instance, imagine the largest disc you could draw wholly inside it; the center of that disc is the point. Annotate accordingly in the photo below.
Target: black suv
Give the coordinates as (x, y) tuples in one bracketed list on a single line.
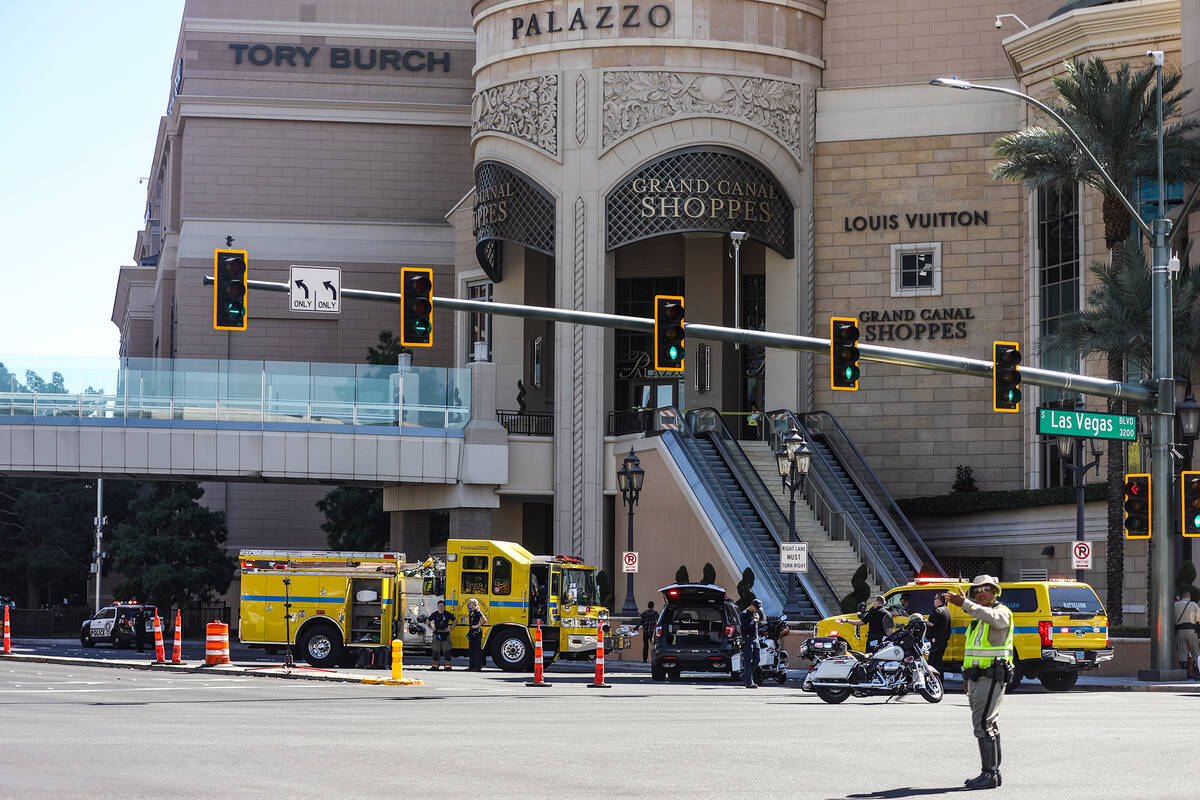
[(698, 631), (114, 625)]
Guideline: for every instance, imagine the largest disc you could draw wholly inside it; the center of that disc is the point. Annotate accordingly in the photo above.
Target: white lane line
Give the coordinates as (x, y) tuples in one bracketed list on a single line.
[(120, 689)]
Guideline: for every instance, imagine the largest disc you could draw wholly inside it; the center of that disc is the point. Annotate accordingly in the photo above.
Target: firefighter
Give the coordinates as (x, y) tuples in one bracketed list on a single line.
[(987, 669)]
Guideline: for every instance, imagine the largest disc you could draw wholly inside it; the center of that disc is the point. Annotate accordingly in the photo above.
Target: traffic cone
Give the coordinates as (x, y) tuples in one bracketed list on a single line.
[(7, 635), (538, 678), (177, 650), (159, 650), (598, 682)]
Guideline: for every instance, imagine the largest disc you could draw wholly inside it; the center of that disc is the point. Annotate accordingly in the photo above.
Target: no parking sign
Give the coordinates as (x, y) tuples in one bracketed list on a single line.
[(629, 562), (1081, 554)]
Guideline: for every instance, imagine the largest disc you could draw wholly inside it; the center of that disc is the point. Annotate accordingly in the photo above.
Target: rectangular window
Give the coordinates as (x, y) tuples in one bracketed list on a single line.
[(917, 269), (501, 576), (479, 326), (474, 582), (1058, 297)]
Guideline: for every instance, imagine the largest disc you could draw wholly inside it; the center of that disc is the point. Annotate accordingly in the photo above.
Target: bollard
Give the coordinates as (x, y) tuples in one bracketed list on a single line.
[(598, 682), (7, 635), (177, 650), (538, 678), (397, 660), (159, 650), (216, 643)]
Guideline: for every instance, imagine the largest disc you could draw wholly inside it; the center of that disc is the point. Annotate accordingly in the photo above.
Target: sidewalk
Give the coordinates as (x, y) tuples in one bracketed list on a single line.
[(418, 666)]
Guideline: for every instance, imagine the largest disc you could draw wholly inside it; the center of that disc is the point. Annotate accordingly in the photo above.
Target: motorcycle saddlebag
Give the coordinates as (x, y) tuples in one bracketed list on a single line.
[(834, 669)]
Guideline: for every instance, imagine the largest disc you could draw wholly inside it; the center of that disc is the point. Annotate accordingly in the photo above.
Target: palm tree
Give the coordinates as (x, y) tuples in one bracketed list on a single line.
[(1116, 115)]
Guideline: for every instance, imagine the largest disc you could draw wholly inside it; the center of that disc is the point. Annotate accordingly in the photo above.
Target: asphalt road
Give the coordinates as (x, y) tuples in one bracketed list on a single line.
[(96, 732)]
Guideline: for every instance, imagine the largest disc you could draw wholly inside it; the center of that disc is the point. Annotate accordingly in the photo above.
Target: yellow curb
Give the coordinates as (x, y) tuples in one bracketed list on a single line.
[(394, 682)]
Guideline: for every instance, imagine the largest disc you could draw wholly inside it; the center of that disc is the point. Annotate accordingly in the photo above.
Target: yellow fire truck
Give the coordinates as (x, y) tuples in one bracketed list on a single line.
[(330, 604), (341, 601)]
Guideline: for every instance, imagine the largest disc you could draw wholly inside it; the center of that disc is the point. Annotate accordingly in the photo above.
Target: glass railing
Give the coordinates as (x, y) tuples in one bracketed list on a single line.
[(205, 392)]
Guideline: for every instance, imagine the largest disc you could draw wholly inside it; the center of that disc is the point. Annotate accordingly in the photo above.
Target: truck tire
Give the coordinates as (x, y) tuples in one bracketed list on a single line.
[(511, 650), (1059, 681), (657, 672), (320, 645)]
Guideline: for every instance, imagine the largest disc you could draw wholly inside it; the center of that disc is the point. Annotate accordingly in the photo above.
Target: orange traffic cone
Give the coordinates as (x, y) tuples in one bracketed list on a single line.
[(7, 635), (599, 683), (538, 678), (159, 650), (177, 650)]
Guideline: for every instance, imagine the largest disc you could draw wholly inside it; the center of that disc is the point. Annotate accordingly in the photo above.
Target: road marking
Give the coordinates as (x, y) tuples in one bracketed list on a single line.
[(118, 689)]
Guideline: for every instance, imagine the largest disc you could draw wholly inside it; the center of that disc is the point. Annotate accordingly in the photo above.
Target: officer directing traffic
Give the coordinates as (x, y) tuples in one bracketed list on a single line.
[(987, 668)]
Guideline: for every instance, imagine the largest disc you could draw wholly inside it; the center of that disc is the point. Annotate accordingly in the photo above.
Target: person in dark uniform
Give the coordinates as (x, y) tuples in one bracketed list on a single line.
[(987, 668), (476, 619), (939, 632), (877, 620), (648, 620), (441, 622), (139, 628), (751, 618)]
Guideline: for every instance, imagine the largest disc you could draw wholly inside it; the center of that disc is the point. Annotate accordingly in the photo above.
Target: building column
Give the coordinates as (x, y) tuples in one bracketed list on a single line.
[(789, 310), (704, 286)]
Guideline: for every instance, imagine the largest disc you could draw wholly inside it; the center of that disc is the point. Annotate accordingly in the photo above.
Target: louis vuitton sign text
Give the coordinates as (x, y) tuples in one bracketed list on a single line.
[(697, 198), (600, 17)]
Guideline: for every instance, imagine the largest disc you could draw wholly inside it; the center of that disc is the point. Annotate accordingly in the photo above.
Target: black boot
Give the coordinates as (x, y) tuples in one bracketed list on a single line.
[(988, 778), (996, 763)]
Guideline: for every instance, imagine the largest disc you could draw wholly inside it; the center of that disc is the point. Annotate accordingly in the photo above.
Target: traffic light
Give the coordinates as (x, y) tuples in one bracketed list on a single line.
[(1137, 506), (1190, 497), (416, 308), (229, 290), (843, 353), (1006, 377), (668, 333)]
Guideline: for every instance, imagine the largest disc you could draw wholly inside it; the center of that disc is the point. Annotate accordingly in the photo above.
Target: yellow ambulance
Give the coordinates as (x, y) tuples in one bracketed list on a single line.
[(1060, 627)]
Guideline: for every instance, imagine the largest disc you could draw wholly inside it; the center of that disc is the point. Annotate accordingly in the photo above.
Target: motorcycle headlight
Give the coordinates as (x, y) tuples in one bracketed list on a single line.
[(603, 615)]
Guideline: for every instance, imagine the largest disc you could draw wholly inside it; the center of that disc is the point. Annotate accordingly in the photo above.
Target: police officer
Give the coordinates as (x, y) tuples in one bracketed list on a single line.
[(751, 618), (987, 668), (939, 632), (140, 618), (877, 620)]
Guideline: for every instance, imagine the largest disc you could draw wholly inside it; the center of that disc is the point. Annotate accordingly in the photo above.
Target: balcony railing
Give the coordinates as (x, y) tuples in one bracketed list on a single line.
[(527, 423)]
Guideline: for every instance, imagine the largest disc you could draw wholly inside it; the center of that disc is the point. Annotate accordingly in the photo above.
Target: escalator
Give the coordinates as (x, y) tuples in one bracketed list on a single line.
[(743, 511)]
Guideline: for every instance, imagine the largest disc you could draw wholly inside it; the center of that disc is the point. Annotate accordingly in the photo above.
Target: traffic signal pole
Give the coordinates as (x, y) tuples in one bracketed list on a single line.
[(938, 362)]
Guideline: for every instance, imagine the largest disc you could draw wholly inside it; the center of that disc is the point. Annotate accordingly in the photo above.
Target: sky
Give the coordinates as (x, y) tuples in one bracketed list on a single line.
[(85, 83)]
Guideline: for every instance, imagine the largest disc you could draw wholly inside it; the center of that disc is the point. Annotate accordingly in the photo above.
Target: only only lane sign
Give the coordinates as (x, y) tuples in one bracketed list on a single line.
[(315, 289)]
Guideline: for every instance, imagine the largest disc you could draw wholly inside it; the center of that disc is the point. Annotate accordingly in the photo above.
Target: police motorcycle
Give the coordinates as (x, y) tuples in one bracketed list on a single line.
[(772, 657), (895, 669)]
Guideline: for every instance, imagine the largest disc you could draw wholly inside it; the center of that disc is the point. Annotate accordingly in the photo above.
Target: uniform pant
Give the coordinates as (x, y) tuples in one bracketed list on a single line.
[(749, 660), (1187, 645), (936, 651), (441, 650), (475, 643), (646, 642), (985, 696)]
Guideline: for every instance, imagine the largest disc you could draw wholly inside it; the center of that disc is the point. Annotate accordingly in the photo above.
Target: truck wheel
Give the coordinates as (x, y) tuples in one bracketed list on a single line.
[(85, 639), (657, 672), (320, 645), (1058, 681), (512, 652)]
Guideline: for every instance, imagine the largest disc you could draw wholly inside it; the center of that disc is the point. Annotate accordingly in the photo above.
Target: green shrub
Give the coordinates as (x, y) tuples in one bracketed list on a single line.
[(745, 588), (681, 575), (975, 502), (709, 575), (859, 591), (1129, 631)]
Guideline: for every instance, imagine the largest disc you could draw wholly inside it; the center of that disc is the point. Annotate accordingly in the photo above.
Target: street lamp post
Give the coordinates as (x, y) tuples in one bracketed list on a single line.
[(1073, 447), (793, 458), (1161, 576), (629, 480)]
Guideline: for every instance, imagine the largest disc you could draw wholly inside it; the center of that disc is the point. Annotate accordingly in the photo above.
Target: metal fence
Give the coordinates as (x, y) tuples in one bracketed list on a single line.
[(527, 423)]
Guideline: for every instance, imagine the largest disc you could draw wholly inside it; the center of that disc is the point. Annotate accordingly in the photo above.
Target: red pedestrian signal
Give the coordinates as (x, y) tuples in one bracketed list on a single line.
[(1137, 506)]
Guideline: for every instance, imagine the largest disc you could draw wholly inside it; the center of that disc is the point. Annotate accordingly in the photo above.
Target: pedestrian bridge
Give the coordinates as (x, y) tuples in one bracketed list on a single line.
[(225, 420)]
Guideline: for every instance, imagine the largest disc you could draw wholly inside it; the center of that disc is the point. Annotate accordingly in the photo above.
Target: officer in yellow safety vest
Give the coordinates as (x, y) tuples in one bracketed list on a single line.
[(987, 669)]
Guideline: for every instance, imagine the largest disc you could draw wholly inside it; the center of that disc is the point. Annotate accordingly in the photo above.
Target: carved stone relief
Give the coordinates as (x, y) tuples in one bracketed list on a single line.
[(580, 109), (634, 100), (526, 109)]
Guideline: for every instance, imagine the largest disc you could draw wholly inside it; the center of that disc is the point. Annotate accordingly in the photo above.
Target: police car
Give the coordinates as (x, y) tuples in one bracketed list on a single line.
[(114, 625)]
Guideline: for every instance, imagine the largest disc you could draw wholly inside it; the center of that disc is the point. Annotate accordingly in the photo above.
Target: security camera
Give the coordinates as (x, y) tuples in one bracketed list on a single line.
[(737, 236), (999, 24)]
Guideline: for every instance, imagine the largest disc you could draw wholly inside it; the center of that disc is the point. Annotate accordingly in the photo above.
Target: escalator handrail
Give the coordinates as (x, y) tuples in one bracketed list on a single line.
[(764, 504), (728, 508), (880, 498), (868, 537)]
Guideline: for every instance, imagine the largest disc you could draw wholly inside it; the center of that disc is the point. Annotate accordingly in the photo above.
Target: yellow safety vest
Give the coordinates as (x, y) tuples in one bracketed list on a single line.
[(980, 652)]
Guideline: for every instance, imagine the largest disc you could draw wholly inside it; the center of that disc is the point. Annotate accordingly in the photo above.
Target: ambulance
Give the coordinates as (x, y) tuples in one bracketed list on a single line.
[(330, 604), (1060, 627)]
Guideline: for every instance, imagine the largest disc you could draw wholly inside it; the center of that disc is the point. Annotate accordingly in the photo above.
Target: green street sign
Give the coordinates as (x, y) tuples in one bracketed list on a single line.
[(1084, 423)]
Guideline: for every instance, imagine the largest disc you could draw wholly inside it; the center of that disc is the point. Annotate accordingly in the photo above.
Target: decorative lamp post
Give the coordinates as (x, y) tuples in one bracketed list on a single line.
[(1072, 447), (793, 458), (629, 480)]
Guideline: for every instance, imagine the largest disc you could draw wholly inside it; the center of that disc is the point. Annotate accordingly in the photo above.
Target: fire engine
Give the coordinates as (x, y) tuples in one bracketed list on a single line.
[(328, 604)]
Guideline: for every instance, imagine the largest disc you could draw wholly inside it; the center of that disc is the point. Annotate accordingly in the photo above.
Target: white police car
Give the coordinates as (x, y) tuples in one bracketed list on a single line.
[(114, 625)]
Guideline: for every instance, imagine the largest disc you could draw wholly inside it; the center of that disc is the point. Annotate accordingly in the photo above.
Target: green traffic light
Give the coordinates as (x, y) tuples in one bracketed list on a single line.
[(1196, 521), (673, 353), (852, 373)]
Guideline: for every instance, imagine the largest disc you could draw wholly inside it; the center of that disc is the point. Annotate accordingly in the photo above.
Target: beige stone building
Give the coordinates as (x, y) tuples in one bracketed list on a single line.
[(590, 156)]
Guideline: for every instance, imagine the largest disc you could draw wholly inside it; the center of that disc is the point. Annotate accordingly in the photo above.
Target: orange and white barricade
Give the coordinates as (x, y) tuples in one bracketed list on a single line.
[(177, 649), (7, 635), (216, 643), (598, 682), (159, 651), (538, 677)]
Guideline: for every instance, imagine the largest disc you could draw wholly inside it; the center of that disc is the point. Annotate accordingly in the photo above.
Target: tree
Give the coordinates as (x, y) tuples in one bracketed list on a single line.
[(859, 592), (709, 574), (681, 575), (1116, 116), (386, 350), (355, 519), (745, 588), (171, 548)]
